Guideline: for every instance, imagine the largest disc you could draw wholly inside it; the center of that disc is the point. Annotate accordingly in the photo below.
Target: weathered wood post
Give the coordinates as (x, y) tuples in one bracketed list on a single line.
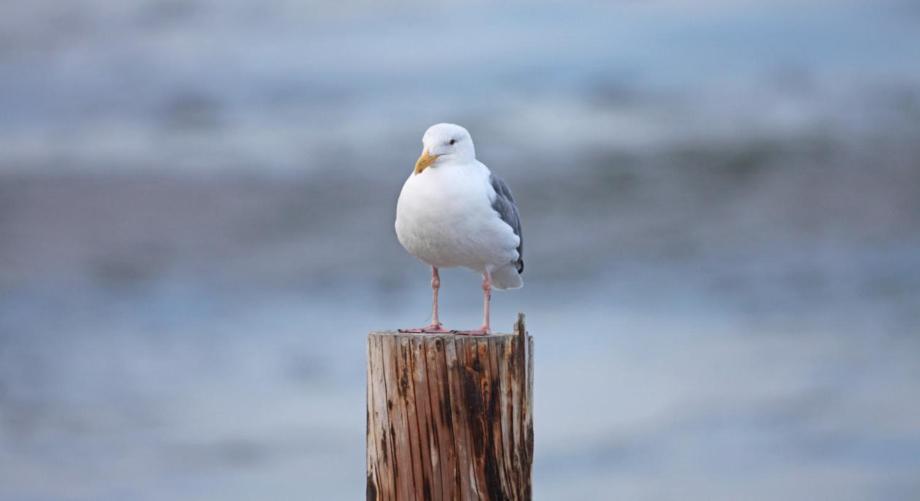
[(449, 417)]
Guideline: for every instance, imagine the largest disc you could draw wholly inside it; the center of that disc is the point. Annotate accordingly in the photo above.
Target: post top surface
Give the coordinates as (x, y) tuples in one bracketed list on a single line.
[(446, 335), (519, 327)]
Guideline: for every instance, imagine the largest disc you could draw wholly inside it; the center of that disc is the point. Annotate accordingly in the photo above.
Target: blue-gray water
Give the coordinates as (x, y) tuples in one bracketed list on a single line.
[(721, 202)]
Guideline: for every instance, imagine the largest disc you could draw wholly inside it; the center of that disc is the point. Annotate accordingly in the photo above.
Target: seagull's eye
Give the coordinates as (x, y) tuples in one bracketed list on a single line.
[(452, 142)]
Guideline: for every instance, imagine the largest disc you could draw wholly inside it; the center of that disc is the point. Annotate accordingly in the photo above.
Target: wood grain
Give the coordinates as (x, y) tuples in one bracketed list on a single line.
[(449, 417)]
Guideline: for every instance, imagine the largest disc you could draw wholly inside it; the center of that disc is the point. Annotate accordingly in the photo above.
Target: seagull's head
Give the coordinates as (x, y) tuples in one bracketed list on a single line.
[(445, 143)]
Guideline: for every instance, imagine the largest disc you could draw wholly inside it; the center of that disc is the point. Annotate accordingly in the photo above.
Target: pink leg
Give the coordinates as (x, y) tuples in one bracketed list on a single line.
[(435, 325), (486, 301), (435, 287)]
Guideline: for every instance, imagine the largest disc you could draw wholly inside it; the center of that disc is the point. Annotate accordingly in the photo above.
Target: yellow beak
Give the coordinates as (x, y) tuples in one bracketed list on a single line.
[(424, 161)]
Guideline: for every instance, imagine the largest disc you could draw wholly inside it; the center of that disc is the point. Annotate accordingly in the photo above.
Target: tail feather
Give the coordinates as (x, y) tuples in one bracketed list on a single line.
[(507, 277)]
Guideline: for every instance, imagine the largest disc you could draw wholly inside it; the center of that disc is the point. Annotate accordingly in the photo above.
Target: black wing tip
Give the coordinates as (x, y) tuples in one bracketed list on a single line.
[(520, 266)]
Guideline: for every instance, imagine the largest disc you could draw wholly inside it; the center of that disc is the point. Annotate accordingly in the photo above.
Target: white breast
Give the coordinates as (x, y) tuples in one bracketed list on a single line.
[(444, 217)]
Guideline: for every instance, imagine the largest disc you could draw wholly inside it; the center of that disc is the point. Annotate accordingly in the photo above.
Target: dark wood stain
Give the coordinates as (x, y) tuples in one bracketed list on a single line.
[(371, 489)]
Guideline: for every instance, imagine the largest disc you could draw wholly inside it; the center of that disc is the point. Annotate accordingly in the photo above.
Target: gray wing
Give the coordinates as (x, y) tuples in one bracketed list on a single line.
[(507, 210)]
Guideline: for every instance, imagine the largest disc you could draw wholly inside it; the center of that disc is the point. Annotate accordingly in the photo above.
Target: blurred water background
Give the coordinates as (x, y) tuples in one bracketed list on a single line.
[(721, 202)]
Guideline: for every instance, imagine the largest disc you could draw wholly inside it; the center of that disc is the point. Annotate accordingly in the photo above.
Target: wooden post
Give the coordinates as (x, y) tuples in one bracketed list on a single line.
[(449, 417)]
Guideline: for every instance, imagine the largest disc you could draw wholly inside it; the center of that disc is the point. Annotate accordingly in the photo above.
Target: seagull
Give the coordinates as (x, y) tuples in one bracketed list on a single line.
[(452, 211)]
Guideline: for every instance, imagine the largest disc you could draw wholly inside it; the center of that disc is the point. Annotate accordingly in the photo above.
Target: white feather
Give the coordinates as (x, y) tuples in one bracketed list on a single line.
[(444, 215)]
